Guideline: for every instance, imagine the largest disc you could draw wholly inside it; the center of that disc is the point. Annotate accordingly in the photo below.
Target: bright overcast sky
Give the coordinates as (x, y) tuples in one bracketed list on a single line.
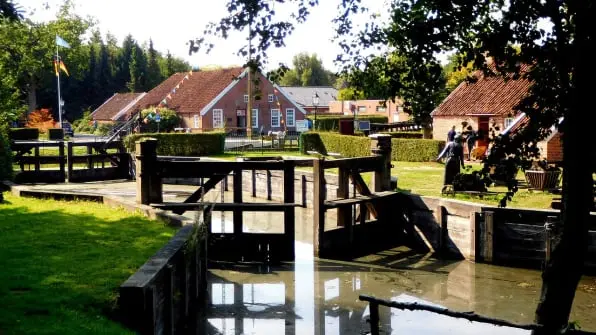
[(172, 23)]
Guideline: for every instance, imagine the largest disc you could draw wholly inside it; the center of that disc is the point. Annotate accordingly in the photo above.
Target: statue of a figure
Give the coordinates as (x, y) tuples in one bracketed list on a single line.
[(454, 151)]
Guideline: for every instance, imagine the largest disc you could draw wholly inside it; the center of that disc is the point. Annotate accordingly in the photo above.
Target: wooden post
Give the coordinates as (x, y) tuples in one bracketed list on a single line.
[(374, 318), (149, 188), (303, 189), (62, 159), (268, 185), (37, 164), (381, 145), (474, 230), (254, 183), (289, 212), (441, 216), (69, 159), (548, 229), (318, 205), (488, 237), (90, 159), (344, 217), (238, 217)]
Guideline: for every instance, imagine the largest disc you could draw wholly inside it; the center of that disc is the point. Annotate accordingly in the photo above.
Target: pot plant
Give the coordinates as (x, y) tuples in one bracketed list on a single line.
[(543, 176)]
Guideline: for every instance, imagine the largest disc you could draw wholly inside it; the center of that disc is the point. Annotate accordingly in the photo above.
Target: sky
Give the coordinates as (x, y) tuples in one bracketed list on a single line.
[(171, 24)]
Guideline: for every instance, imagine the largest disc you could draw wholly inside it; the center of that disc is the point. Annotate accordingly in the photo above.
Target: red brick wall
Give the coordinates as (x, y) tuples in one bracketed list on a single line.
[(554, 149), (234, 100)]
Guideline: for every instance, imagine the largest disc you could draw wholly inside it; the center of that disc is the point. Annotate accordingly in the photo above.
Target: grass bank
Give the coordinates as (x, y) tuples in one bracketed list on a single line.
[(62, 263)]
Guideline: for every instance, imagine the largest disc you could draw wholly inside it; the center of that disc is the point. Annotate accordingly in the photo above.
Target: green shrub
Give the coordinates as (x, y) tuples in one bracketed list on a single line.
[(23, 134), (5, 159), (405, 150), (103, 129), (55, 134), (404, 134), (331, 122), (169, 119), (174, 144), (84, 124), (415, 150)]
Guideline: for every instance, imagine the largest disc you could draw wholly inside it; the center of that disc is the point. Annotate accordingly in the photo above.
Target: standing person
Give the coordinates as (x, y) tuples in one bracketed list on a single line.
[(454, 152), (471, 141), (451, 134)]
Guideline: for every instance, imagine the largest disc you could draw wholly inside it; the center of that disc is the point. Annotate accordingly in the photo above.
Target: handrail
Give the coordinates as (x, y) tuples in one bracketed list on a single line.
[(414, 306)]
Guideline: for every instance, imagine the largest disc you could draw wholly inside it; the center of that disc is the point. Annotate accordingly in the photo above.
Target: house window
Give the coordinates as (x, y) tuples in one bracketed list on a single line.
[(270, 98), (275, 118), (508, 122), (361, 109), (290, 117), (254, 118), (195, 121), (218, 118), (381, 109), (246, 98)]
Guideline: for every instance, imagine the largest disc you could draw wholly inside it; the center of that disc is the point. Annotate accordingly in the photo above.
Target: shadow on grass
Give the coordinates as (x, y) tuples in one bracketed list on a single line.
[(62, 263)]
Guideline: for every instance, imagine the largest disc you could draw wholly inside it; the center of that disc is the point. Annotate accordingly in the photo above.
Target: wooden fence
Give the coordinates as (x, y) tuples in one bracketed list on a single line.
[(28, 154)]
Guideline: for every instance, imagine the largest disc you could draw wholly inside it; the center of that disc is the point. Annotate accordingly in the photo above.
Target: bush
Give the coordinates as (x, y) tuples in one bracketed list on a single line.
[(331, 122), (23, 134), (174, 144), (169, 119), (41, 119), (419, 150), (55, 134), (85, 124), (5, 159), (404, 134), (470, 182), (102, 129)]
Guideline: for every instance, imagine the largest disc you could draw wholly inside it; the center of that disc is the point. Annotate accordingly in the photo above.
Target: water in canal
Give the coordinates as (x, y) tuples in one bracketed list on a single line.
[(319, 296)]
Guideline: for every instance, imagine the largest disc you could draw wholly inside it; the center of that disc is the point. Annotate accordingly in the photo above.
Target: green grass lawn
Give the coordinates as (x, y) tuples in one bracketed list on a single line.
[(62, 263)]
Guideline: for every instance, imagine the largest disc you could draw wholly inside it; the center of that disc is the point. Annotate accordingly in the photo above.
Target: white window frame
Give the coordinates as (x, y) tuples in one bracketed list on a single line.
[(508, 122), (195, 120), (278, 124), (246, 98), (254, 118), (381, 109), (293, 112), (270, 98), (361, 109), (220, 112)]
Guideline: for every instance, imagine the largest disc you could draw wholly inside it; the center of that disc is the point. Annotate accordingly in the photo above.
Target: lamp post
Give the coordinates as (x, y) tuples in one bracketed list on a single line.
[(315, 102)]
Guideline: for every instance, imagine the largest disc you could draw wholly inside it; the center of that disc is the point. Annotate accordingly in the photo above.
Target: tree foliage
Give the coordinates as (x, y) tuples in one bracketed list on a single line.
[(307, 70), (556, 61)]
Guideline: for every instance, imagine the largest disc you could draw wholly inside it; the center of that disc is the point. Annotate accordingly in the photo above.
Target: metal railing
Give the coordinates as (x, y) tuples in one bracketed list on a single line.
[(238, 141)]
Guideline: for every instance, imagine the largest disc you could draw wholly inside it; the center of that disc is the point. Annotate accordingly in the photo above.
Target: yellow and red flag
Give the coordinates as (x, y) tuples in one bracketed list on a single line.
[(63, 68), (56, 67)]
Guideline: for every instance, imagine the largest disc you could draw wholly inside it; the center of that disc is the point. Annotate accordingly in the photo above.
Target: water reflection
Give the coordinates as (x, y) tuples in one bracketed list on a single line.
[(321, 296)]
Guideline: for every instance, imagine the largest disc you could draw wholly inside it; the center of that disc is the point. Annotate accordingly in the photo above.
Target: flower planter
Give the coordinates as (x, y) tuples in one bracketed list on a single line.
[(543, 180)]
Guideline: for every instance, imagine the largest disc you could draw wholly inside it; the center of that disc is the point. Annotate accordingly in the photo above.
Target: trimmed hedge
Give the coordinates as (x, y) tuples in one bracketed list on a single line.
[(23, 134), (175, 144), (415, 150), (404, 134), (55, 134), (405, 150), (331, 122)]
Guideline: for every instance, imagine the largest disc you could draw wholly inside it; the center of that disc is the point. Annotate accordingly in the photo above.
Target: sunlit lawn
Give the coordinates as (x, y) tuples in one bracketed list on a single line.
[(62, 263)]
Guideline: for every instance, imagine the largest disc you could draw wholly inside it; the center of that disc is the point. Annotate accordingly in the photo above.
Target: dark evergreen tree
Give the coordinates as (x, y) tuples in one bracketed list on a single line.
[(138, 70), (154, 76)]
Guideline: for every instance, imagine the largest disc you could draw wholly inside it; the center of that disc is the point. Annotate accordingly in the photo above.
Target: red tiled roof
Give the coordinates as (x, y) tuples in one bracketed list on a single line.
[(487, 95), (519, 125), (114, 105), (194, 93)]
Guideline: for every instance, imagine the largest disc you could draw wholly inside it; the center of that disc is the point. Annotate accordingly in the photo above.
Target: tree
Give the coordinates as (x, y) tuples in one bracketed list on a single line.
[(9, 10), (307, 70), (124, 60), (154, 76), (456, 74), (556, 61), (138, 70)]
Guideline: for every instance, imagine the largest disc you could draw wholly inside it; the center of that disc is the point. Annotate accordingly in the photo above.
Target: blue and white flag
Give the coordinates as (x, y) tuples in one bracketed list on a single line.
[(61, 42)]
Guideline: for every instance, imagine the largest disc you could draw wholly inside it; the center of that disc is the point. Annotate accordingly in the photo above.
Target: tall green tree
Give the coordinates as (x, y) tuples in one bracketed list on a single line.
[(154, 76), (124, 60), (557, 61), (138, 70), (307, 70)]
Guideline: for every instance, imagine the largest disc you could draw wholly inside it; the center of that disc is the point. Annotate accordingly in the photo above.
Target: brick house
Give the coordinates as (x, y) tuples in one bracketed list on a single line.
[(217, 99), (551, 148), (116, 107), (393, 110), (488, 105)]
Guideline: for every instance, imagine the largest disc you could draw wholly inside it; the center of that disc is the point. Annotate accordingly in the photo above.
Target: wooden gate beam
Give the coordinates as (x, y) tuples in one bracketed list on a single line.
[(208, 186)]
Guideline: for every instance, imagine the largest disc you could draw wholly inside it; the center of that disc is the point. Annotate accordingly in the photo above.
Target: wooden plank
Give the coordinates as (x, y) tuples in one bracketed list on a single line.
[(318, 205), (237, 195), (441, 217), (488, 237), (474, 234), (36, 155), (361, 199), (225, 207), (200, 169), (89, 157), (69, 154), (37, 160), (209, 185), (289, 211), (362, 164), (363, 189), (344, 216)]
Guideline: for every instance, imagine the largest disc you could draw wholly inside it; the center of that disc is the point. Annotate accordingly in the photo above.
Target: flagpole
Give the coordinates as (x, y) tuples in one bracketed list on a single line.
[(58, 80)]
